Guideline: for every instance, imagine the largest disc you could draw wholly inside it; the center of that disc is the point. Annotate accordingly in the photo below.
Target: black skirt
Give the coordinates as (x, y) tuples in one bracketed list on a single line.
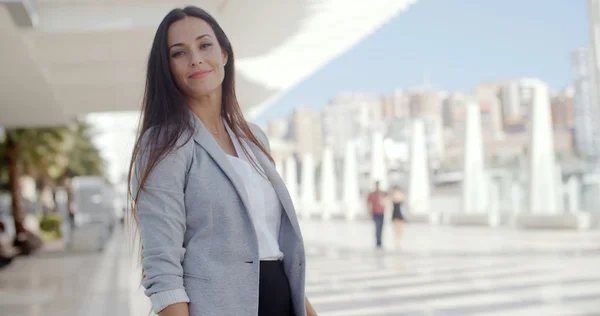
[(397, 212), (274, 298)]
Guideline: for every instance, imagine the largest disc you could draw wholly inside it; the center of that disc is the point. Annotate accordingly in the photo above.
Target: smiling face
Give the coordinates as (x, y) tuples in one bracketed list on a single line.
[(196, 59)]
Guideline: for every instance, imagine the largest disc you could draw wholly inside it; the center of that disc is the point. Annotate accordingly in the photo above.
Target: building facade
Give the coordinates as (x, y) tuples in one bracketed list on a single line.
[(587, 138)]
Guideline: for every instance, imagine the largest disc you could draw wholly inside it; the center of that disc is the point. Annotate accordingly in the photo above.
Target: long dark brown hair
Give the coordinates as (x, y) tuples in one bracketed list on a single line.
[(165, 117)]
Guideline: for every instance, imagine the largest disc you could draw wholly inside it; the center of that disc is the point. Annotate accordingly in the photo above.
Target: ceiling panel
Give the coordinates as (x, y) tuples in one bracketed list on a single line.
[(90, 55)]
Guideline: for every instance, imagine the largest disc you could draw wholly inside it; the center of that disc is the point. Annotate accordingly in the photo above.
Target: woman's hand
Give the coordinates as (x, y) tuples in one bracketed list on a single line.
[(310, 311)]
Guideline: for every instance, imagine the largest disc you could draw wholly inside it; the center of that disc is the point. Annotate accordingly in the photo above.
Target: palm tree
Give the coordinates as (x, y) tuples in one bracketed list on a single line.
[(83, 156), (37, 152), (48, 155)]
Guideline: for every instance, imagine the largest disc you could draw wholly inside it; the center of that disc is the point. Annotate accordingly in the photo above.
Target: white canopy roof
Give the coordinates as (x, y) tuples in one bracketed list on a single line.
[(63, 58)]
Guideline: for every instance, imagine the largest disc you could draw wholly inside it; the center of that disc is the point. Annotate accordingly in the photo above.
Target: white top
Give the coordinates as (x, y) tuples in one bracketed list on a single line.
[(264, 206)]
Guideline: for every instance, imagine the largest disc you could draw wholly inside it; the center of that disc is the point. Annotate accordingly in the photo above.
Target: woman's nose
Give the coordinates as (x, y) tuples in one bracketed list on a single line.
[(196, 59)]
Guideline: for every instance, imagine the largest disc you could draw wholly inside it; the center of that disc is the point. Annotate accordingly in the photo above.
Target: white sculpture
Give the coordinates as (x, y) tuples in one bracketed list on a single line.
[(418, 198), (308, 200), (574, 189), (542, 178), (329, 201), (351, 195), (516, 198), (476, 195), (493, 207), (560, 190), (378, 165)]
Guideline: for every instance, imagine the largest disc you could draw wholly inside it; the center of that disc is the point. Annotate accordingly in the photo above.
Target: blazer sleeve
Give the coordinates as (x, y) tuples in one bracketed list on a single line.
[(161, 224)]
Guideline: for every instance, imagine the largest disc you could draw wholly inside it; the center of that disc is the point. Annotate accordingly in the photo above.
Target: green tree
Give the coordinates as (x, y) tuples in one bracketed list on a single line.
[(48, 155), (33, 152), (83, 156)]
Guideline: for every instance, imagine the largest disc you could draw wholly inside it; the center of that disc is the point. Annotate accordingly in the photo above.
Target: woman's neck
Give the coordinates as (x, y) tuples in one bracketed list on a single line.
[(208, 109)]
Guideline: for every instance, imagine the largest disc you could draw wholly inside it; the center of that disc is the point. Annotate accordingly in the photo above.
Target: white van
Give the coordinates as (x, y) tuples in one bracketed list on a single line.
[(94, 210)]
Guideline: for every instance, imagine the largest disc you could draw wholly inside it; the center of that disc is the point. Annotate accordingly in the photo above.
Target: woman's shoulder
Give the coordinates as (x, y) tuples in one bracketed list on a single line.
[(177, 142), (162, 135), (260, 135)]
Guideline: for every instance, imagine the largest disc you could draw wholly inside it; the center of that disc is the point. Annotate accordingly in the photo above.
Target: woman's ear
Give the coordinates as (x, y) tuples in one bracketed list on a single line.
[(224, 56)]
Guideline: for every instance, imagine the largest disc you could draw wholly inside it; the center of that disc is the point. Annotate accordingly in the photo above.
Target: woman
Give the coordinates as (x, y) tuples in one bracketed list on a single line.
[(218, 230), (397, 217)]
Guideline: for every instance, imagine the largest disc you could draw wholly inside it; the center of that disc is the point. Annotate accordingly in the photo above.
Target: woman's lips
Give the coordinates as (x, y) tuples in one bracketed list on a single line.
[(199, 74)]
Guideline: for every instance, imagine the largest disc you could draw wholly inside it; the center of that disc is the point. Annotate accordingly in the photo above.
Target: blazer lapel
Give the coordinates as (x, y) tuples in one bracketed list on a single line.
[(203, 138), (278, 185)]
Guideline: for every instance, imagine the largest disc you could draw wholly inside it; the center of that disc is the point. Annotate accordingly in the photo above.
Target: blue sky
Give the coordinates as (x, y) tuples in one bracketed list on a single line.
[(459, 45)]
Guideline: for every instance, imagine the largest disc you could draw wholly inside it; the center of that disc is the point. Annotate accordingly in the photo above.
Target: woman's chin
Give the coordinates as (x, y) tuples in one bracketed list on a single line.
[(202, 89)]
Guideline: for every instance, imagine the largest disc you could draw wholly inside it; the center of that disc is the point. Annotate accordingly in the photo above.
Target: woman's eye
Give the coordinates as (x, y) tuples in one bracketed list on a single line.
[(177, 54), (205, 45)]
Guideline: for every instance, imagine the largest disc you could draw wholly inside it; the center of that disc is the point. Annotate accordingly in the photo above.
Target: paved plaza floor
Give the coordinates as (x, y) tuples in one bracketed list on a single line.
[(436, 270)]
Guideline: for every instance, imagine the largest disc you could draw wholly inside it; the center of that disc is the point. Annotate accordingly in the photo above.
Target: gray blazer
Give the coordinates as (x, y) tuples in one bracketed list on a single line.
[(199, 244)]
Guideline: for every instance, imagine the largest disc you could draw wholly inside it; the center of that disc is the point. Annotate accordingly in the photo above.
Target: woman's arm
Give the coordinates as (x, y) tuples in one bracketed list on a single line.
[(161, 223), (310, 311), (178, 309)]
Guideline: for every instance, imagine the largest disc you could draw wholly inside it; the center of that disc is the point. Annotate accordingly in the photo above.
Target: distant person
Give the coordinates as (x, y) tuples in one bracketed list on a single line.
[(376, 206), (397, 197), (219, 233)]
